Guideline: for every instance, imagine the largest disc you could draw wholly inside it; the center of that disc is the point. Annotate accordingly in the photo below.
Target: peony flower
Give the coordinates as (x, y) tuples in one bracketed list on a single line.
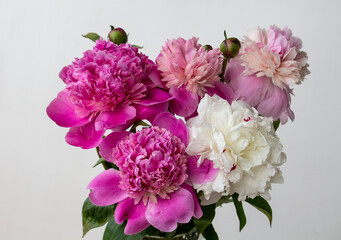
[(268, 65), (189, 71), (150, 186), (110, 87), (236, 151)]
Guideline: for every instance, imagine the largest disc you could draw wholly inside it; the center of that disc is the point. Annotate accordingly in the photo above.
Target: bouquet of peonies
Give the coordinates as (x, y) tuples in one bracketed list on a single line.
[(183, 135)]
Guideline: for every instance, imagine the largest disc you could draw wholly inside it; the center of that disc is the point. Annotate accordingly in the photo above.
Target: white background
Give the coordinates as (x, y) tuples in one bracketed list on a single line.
[(43, 180)]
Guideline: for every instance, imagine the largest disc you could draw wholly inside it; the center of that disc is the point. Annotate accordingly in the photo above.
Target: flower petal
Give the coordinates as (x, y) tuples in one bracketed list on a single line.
[(62, 111), (176, 126), (105, 188), (135, 213), (197, 209), (150, 112), (155, 96), (154, 76), (85, 136), (166, 213), (202, 174), (109, 142), (185, 103), (221, 89), (108, 120)]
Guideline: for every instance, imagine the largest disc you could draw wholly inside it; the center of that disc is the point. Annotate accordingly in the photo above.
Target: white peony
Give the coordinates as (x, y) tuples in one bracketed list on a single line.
[(242, 146)]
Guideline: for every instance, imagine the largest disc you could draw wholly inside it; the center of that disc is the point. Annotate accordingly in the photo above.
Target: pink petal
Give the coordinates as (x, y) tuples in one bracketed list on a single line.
[(221, 89), (155, 96), (154, 76), (109, 142), (185, 103), (62, 111), (108, 120), (249, 88), (176, 126), (202, 174), (166, 213), (150, 112), (105, 188), (135, 213), (197, 209), (85, 136)]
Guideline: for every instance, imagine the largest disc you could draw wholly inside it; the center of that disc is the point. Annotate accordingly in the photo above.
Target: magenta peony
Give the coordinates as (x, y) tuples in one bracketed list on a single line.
[(189, 71), (268, 65), (150, 186), (110, 87)]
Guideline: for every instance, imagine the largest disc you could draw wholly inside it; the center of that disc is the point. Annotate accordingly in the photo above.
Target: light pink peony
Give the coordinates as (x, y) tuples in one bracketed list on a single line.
[(111, 86), (150, 186), (189, 72), (268, 65)]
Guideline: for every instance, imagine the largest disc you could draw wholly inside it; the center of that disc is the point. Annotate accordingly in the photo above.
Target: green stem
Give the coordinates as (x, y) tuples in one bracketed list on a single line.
[(226, 60)]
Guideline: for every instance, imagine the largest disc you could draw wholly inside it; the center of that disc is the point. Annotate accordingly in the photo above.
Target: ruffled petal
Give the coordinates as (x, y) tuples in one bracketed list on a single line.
[(176, 126), (109, 142), (85, 136), (135, 214), (184, 103), (62, 111), (150, 112), (155, 96), (105, 188), (108, 120), (202, 174), (166, 213)]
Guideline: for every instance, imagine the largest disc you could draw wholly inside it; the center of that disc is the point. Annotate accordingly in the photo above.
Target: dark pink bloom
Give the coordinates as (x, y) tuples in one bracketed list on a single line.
[(151, 186), (189, 71), (110, 87)]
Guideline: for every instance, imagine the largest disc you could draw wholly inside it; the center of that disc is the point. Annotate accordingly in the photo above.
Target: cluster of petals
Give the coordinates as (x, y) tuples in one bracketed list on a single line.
[(189, 71), (151, 186), (270, 62), (236, 151), (110, 87)]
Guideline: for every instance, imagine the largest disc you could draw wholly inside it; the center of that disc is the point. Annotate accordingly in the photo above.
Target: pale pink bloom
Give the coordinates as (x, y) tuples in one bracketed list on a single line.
[(268, 65), (151, 186), (189, 72), (275, 54), (187, 63)]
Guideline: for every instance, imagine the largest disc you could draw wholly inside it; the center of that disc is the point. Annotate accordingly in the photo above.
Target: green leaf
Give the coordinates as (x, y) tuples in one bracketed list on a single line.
[(115, 231), (276, 124), (139, 47), (240, 211), (94, 216), (206, 219), (92, 36), (100, 161), (224, 199), (112, 27), (262, 205), (210, 233)]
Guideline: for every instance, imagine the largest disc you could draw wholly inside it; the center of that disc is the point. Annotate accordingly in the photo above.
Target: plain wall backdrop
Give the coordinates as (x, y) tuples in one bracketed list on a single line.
[(43, 180)]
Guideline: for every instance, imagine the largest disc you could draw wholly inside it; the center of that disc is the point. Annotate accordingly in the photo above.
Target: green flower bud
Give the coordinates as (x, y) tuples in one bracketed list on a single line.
[(118, 36), (230, 47), (208, 47)]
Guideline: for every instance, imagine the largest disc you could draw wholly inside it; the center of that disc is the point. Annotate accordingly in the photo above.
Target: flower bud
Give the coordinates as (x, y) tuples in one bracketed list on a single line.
[(230, 47), (208, 47), (118, 36)]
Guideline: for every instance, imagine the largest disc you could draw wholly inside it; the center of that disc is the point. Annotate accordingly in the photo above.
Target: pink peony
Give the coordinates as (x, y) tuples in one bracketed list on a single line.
[(150, 186), (189, 72), (268, 65), (111, 86)]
